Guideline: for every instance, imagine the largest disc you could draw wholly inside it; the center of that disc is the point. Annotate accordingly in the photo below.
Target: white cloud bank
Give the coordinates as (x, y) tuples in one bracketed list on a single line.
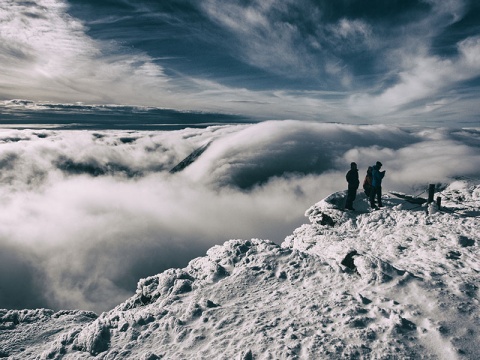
[(85, 214)]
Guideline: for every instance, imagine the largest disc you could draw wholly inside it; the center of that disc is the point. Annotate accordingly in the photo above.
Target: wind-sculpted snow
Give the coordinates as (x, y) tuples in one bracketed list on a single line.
[(41, 333), (392, 283), (424, 266)]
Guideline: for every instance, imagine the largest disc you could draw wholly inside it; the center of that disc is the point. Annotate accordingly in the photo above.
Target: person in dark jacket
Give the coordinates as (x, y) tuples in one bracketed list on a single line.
[(377, 177), (353, 183)]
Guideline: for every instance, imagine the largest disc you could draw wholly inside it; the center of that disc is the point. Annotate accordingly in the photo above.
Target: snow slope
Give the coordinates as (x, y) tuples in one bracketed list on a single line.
[(394, 283)]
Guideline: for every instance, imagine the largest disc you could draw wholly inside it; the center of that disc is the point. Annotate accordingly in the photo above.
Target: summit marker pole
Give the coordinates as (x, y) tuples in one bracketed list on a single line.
[(431, 193)]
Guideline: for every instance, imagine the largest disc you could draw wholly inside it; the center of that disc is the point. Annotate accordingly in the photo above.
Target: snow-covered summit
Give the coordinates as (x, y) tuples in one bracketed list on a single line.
[(391, 283)]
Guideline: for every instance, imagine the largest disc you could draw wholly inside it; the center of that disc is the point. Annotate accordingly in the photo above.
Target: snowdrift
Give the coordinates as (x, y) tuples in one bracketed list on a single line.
[(392, 283)]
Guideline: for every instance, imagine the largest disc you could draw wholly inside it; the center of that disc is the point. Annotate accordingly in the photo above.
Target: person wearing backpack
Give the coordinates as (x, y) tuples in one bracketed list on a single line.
[(353, 183), (377, 177), (367, 183)]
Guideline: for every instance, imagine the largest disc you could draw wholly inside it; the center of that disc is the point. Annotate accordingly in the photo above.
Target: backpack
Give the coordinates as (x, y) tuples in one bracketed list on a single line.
[(367, 183)]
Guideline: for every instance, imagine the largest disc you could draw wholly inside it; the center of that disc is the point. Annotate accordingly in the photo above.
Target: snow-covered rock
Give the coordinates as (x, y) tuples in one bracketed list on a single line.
[(399, 282)]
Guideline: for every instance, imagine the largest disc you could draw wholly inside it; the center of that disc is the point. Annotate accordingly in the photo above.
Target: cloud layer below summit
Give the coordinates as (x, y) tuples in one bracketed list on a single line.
[(86, 214)]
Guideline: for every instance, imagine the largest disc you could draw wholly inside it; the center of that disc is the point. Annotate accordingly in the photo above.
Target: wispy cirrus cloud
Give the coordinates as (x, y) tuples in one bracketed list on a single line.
[(383, 60), (349, 61), (46, 55), (421, 78), (268, 39), (426, 77)]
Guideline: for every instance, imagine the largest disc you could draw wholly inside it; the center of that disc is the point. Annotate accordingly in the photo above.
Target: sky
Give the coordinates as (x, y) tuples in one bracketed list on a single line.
[(86, 214), (348, 61)]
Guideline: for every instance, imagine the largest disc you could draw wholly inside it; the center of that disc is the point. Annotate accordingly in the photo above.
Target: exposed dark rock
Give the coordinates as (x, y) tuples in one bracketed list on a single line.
[(465, 241), (326, 220), (453, 255), (190, 159), (348, 260)]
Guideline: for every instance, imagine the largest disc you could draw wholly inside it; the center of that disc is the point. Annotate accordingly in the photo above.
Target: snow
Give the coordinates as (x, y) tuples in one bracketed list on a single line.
[(400, 282)]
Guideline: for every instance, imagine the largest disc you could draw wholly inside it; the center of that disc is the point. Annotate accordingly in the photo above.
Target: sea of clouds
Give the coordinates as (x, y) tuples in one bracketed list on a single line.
[(85, 214)]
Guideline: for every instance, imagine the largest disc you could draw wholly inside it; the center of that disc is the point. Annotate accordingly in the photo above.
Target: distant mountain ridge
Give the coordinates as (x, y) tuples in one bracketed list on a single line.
[(21, 113), (194, 155), (391, 283)]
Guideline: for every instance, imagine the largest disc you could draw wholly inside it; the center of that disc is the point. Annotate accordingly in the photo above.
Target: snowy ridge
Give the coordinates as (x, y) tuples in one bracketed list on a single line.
[(392, 283)]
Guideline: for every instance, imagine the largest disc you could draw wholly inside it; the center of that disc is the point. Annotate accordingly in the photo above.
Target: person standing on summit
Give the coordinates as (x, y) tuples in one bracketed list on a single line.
[(353, 183), (377, 177)]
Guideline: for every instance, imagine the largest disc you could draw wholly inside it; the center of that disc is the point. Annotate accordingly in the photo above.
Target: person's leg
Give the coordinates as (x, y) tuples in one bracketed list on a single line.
[(349, 202), (372, 197), (353, 195), (379, 196)]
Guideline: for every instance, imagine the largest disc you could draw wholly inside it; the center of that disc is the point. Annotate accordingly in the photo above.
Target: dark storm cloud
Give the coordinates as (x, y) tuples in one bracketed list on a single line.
[(80, 236)]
